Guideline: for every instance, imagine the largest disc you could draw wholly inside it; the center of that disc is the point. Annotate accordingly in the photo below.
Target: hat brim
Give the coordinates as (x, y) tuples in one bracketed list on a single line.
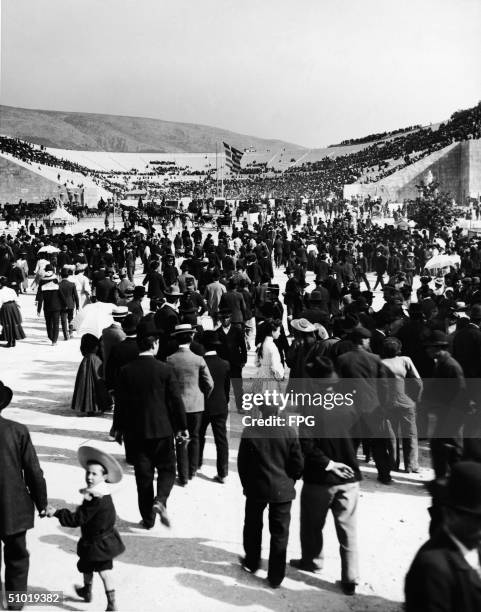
[(305, 330), (87, 454), (183, 331), (6, 395)]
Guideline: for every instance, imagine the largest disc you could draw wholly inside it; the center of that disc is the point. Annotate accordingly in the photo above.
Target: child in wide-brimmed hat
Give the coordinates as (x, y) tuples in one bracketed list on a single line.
[(100, 541)]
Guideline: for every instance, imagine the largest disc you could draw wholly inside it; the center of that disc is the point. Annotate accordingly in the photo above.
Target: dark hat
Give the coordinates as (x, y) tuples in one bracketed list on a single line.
[(139, 291), (359, 333), (129, 324), (316, 296), (147, 327), (475, 314), (210, 338), (322, 368), (467, 280), (224, 311), (464, 487), (87, 454), (350, 322), (425, 279), (436, 338), (6, 395)]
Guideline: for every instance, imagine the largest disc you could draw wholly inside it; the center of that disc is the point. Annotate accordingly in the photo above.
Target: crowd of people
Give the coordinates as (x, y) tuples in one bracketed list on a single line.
[(187, 307)]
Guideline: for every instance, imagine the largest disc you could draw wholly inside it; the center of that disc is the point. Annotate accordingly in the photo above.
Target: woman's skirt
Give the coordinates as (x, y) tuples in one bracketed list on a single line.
[(11, 321)]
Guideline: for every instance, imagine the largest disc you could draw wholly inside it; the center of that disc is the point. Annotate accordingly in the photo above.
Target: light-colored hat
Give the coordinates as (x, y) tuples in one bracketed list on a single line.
[(112, 466), (120, 311), (321, 331), (303, 325), (48, 275), (183, 328)]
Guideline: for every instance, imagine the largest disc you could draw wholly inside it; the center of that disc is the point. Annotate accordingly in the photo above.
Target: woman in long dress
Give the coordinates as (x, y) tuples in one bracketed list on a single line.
[(90, 394), (269, 373), (10, 316)]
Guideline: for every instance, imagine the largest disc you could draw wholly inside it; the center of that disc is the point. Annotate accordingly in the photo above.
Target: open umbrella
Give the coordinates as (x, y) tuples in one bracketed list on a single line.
[(48, 248), (443, 261), (93, 318)]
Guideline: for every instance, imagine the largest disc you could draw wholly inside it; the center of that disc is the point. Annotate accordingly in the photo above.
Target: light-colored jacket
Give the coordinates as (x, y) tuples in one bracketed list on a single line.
[(194, 378)]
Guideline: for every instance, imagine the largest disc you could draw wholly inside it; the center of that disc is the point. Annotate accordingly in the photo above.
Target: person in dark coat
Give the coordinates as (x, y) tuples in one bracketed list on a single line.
[(155, 280), (373, 402), (233, 300), (106, 291), (112, 335), (69, 291), (22, 486), (100, 541), (90, 393), (269, 462), (216, 406), (53, 302), (445, 574), (135, 304), (331, 477), (166, 319), (151, 410), (233, 349)]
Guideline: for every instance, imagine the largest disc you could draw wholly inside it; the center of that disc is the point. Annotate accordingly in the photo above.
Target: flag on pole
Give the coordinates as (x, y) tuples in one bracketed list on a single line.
[(233, 158)]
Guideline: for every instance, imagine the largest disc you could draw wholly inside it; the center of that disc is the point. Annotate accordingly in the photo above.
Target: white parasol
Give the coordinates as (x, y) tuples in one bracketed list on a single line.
[(48, 248), (93, 318), (443, 261)]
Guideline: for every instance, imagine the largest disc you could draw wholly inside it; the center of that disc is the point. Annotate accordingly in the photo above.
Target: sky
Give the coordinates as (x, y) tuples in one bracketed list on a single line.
[(311, 72)]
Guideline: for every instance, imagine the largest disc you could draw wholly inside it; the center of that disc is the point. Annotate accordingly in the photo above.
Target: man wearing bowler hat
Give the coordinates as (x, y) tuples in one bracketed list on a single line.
[(446, 396), (445, 575), (22, 486), (233, 349), (216, 405), (150, 409)]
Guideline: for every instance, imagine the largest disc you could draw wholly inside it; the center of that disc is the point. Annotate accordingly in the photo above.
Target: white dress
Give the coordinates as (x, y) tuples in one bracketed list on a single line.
[(269, 366)]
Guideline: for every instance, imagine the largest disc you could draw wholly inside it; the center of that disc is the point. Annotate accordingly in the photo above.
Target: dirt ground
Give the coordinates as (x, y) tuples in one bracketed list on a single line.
[(195, 563)]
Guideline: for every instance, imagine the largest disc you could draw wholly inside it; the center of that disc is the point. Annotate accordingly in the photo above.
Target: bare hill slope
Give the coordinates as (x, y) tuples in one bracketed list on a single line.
[(94, 132)]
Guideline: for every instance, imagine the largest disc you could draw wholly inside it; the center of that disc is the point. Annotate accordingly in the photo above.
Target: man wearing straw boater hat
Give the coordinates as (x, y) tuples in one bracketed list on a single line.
[(195, 383), (22, 486)]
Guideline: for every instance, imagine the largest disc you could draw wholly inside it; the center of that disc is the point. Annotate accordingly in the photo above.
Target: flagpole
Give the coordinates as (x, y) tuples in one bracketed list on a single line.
[(216, 169), (222, 177)]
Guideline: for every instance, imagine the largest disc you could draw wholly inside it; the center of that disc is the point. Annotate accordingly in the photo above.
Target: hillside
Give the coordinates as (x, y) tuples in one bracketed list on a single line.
[(92, 132)]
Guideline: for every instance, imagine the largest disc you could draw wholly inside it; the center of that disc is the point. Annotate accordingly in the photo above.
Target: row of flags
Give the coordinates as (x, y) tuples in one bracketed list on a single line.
[(233, 157)]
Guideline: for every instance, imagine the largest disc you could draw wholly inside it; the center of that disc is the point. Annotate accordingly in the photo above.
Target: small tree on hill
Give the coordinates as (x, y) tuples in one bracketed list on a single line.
[(432, 209)]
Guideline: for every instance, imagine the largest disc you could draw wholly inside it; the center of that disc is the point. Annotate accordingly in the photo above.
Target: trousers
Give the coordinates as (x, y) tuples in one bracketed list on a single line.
[(148, 456), (16, 558), (66, 318), (279, 521), (188, 454), (52, 320), (219, 431), (342, 500)]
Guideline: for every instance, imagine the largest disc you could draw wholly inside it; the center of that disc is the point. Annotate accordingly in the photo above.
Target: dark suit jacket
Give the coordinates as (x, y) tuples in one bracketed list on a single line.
[(441, 580), (370, 379), (269, 462), (467, 350), (233, 346), (120, 355), (69, 292), (218, 400), (106, 291), (234, 301), (149, 400), (21, 479)]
